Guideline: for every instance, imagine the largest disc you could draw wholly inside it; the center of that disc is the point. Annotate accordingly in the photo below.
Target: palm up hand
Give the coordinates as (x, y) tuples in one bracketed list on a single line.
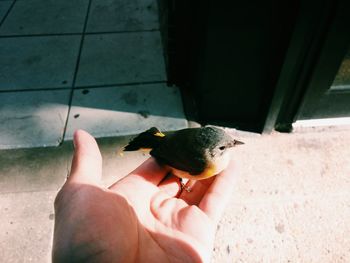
[(141, 218)]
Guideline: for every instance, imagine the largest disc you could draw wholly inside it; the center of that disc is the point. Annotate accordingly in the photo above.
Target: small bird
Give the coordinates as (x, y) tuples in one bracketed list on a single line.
[(192, 153)]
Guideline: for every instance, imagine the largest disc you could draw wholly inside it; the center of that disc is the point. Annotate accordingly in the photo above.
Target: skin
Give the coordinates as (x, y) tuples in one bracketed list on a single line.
[(140, 218)]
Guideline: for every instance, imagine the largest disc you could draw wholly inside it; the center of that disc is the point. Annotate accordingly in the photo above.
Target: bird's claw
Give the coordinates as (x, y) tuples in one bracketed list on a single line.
[(184, 187)]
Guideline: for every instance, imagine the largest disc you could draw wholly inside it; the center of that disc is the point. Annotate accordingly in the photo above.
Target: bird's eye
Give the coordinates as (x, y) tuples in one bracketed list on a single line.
[(222, 148)]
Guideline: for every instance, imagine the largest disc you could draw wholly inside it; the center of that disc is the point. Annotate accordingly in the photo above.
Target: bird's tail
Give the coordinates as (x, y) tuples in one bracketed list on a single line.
[(145, 140)]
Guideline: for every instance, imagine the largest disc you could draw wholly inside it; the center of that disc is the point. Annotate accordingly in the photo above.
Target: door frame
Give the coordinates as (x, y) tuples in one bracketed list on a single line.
[(316, 50)]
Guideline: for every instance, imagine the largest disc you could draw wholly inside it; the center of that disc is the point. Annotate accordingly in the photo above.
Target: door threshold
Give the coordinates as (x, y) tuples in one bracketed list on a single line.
[(322, 124)]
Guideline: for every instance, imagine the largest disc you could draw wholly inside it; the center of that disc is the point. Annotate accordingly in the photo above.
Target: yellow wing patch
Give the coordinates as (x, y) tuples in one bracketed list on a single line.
[(159, 134)]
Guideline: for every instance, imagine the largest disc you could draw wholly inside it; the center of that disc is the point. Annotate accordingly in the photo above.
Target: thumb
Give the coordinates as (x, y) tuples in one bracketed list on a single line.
[(87, 160)]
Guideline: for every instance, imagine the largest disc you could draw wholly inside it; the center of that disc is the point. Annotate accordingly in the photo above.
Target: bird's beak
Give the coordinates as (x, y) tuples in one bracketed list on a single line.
[(235, 143)]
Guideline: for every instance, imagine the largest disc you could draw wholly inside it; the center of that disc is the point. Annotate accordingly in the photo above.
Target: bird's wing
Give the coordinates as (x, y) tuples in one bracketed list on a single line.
[(172, 152)]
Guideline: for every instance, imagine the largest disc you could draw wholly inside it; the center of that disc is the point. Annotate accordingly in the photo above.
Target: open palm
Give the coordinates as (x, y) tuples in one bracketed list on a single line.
[(143, 217)]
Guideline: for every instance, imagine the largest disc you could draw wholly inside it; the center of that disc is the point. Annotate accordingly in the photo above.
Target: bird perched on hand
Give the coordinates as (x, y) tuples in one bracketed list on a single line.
[(193, 153)]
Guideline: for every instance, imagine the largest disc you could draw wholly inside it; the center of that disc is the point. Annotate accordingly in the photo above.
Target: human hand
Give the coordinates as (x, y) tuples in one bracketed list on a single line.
[(140, 218)]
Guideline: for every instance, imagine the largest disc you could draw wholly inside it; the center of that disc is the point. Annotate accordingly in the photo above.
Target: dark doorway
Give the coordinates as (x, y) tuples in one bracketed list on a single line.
[(328, 91), (258, 65)]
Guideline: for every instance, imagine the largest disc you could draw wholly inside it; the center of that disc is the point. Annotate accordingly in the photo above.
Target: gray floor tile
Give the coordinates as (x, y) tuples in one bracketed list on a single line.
[(4, 6), (27, 223), (121, 58), (45, 17), (116, 15), (37, 62), (126, 110), (32, 118)]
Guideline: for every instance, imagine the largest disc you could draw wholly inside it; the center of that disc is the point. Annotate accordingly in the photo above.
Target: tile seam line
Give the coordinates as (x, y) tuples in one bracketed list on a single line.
[(7, 13), (87, 87), (120, 85), (76, 71), (80, 33)]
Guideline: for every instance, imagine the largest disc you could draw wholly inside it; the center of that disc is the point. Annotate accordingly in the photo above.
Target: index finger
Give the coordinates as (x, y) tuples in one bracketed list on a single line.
[(218, 194), (150, 171)]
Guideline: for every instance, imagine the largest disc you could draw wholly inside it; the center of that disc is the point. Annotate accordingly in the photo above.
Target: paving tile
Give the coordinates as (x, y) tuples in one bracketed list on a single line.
[(33, 118), (38, 62), (116, 15), (116, 111), (45, 17), (27, 226), (110, 59), (4, 6)]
